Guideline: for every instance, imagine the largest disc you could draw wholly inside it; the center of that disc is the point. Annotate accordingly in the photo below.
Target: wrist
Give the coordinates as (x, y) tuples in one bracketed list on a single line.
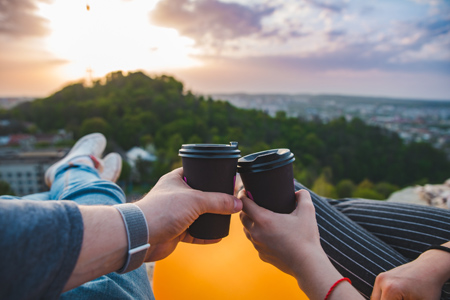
[(313, 265), (437, 263), (152, 220), (104, 245)]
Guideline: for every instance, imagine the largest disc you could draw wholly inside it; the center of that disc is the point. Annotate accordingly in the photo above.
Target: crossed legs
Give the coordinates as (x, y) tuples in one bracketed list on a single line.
[(363, 238)]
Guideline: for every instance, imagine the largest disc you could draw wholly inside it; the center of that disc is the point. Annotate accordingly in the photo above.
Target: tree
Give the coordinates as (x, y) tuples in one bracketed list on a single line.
[(129, 109), (345, 188), (385, 189), (367, 194), (146, 140), (96, 124), (366, 190), (5, 188), (322, 187)]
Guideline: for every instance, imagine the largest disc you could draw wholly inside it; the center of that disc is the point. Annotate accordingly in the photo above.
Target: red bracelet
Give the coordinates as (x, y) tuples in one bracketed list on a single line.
[(334, 286)]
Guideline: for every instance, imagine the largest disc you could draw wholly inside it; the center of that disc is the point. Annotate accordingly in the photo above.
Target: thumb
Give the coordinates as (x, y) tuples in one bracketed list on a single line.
[(250, 208), (219, 203), (304, 202), (376, 292)]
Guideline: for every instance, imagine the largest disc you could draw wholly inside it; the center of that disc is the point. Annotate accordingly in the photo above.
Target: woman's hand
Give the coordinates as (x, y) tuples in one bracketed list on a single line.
[(172, 206), (291, 243), (422, 278), (282, 239)]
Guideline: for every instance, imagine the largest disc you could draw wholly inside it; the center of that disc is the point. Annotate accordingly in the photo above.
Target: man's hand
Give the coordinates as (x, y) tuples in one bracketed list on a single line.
[(172, 206), (420, 279)]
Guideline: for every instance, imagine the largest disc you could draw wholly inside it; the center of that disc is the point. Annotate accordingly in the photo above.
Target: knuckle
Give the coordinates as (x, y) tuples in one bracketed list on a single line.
[(247, 234), (387, 285), (310, 207), (381, 277), (263, 257), (225, 202), (257, 236), (265, 221)]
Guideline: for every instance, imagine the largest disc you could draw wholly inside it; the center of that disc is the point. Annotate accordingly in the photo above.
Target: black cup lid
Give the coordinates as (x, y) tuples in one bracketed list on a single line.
[(210, 150), (265, 160)]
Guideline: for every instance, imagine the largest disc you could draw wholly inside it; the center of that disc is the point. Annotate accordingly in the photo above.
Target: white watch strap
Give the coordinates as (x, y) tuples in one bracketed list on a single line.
[(137, 234)]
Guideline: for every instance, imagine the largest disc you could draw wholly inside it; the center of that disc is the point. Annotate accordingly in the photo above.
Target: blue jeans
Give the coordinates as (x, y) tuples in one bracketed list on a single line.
[(83, 185)]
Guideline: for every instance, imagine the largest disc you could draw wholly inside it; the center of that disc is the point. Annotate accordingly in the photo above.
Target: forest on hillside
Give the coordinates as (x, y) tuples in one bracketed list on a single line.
[(338, 159)]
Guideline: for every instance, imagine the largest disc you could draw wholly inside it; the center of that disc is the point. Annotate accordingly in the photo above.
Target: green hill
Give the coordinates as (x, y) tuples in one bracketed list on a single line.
[(135, 110)]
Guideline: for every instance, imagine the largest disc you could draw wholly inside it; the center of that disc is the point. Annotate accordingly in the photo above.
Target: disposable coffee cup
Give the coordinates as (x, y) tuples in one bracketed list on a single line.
[(268, 178), (210, 168)]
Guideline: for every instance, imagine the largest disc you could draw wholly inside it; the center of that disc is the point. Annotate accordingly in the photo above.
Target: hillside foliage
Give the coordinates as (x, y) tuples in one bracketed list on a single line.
[(136, 110)]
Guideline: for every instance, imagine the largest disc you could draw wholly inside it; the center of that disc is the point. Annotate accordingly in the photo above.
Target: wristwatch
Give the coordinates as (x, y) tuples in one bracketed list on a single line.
[(137, 234)]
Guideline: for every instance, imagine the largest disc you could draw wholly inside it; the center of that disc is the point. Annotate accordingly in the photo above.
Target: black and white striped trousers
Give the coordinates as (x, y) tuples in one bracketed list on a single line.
[(363, 238)]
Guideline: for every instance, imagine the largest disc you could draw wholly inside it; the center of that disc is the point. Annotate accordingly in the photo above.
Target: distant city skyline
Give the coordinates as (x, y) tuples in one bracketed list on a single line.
[(398, 49)]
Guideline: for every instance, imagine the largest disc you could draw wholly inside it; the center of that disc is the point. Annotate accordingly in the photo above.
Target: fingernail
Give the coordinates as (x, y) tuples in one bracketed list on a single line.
[(237, 205)]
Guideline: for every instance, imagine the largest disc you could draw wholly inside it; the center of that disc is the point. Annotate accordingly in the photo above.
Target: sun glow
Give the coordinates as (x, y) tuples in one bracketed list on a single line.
[(108, 35)]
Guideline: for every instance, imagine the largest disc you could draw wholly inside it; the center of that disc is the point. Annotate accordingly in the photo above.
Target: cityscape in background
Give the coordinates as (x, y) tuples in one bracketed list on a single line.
[(413, 120), (25, 157), (10, 102)]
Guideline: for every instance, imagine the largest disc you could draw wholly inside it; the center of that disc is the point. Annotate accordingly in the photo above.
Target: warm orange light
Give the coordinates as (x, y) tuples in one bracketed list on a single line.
[(228, 270), (110, 35)]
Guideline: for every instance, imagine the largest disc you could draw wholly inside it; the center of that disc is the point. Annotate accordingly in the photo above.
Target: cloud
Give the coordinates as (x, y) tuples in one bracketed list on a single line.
[(18, 18), (319, 35), (427, 39), (327, 6), (356, 56), (435, 27), (210, 21), (335, 34)]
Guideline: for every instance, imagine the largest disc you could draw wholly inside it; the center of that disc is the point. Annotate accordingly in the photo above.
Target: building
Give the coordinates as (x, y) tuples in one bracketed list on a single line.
[(137, 153), (24, 171)]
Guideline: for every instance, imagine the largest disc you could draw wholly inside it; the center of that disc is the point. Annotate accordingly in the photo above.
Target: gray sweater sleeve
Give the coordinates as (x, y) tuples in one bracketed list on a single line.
[(40, 242)]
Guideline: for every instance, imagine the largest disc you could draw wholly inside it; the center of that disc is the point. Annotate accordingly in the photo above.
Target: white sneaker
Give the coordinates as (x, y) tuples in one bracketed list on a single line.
[(92, 144), (112, 166)]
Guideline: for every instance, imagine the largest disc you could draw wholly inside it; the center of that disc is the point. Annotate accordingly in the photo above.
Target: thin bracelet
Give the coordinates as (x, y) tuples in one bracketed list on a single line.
[(439, 247), (334, 286)]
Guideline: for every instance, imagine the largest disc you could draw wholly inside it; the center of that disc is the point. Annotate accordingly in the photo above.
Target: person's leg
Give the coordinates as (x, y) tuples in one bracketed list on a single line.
[(75, 177), (130, 286), (38, 197), (358, 252), (408, 228), (81, 183)]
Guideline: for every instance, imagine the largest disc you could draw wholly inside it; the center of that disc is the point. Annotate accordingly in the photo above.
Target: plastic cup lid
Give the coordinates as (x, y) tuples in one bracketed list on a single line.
[(265, 160), (210, 150)]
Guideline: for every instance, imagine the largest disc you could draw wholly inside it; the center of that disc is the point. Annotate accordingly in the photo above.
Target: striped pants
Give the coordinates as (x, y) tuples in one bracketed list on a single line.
[(363, 238)]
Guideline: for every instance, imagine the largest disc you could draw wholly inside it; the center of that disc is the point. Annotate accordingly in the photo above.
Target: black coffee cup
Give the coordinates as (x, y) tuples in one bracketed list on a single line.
[(210, 168), (268, 178)]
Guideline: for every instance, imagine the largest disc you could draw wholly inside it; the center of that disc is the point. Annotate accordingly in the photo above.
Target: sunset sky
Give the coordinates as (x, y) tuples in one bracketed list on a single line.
[(395, 48)]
